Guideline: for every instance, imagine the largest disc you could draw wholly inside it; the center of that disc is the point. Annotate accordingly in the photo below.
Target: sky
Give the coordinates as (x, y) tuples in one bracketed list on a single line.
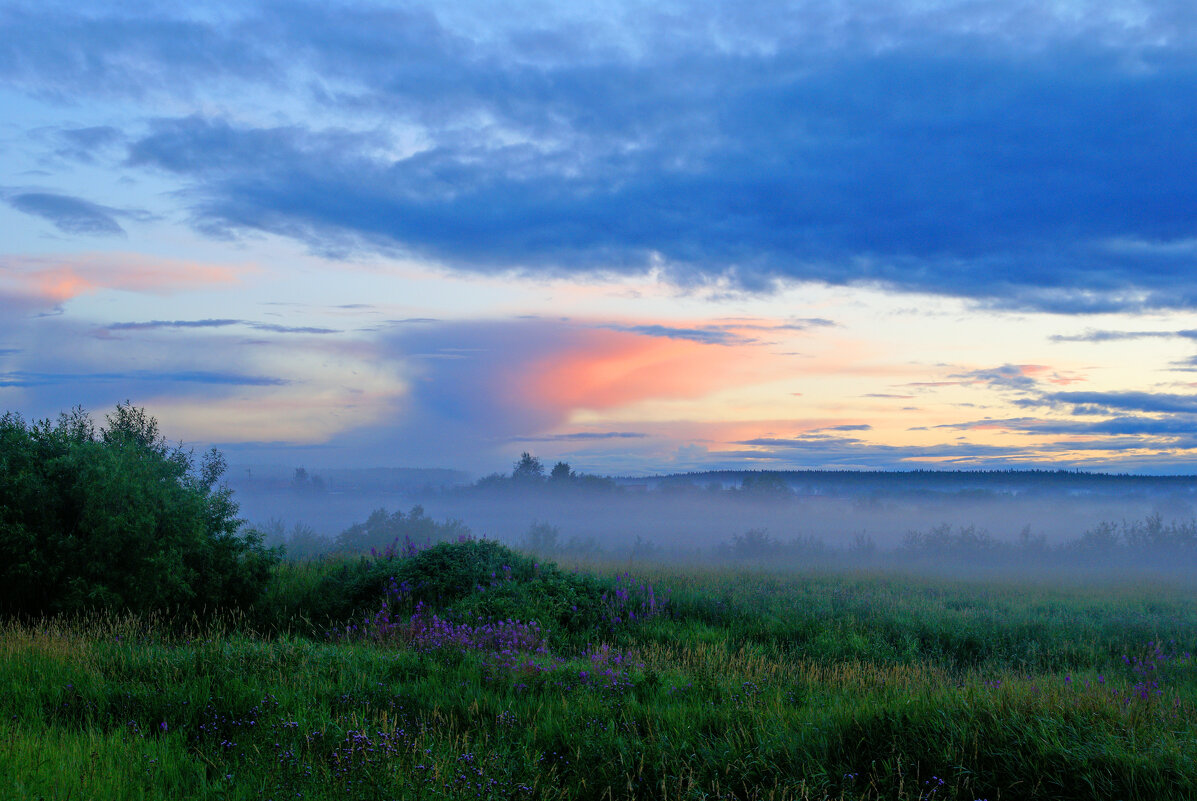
[(639, 237)]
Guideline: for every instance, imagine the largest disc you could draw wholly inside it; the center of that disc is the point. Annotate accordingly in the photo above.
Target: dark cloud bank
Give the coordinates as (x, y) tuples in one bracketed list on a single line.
[(997, 152)]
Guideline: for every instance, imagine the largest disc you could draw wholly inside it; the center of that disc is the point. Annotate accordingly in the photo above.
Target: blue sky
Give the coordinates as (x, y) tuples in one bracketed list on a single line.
[(638, 236)]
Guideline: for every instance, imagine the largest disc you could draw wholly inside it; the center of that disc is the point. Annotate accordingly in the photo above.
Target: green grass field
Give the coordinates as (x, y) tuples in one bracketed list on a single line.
[(726, 684)]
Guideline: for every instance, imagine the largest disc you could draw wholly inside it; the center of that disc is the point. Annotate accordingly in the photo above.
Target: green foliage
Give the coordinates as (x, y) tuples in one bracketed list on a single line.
[(117, 519), (312, 596), (485, 579), (335, 587)]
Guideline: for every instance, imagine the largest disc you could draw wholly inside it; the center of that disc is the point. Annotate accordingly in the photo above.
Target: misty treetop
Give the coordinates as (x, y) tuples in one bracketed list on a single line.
[(528, 468), (528, 472), (112, 517), (398, 530)]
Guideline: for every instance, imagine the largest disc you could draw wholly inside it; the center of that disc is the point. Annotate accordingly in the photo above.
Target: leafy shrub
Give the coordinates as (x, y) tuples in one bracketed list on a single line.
[(483, 579), (114, 518)]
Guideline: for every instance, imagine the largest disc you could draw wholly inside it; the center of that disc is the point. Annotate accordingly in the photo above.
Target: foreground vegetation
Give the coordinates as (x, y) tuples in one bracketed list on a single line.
[(151, 649), (744, 684)]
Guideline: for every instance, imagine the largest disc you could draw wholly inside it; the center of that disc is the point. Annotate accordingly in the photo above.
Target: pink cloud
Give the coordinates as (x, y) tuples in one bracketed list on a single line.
[(49, 281), (602, 369), (488, 383)]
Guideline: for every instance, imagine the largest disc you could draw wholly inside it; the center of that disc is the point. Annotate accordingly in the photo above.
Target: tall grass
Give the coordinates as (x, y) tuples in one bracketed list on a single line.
[(752, 684)]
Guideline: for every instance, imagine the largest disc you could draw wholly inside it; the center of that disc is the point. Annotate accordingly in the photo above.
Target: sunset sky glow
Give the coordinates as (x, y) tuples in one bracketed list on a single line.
[(639, 237)]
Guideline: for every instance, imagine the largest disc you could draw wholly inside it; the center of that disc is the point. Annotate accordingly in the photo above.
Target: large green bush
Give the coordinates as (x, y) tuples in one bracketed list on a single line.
[(115, 518)]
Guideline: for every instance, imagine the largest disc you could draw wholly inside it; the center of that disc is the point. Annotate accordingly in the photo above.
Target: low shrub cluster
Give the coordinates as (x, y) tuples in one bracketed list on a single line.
[(463, 582)]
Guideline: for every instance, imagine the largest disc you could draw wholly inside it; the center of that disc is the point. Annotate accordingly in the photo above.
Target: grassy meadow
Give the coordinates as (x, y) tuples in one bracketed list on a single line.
[(470, 671)]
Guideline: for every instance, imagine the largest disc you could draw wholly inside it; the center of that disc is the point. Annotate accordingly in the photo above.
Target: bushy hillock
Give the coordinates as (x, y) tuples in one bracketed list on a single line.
[(482, 578), (469, 580)]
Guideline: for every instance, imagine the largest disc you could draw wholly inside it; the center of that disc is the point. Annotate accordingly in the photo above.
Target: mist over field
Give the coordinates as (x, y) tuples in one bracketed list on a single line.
[(695, 514)]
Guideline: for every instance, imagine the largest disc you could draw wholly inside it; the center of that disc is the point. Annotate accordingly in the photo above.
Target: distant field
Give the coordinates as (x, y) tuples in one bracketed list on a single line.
[(665, 684)]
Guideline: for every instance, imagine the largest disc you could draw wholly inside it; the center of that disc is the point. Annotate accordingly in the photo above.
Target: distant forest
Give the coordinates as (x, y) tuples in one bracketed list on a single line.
[(530, 473), (854, 481)]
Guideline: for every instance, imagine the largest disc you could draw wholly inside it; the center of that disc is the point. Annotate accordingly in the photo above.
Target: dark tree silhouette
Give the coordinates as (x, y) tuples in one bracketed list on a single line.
[(528, 468)]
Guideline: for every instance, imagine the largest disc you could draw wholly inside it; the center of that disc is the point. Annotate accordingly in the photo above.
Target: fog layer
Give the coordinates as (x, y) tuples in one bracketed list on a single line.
[(703, 511)]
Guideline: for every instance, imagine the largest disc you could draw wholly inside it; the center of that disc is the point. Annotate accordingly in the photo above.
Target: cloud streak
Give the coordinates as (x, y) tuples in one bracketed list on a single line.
[(150, 325), (1178, 424), (21, 378), (70, 215), (585, 436), (715, 335), (1098, 402), (1098, 336)]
